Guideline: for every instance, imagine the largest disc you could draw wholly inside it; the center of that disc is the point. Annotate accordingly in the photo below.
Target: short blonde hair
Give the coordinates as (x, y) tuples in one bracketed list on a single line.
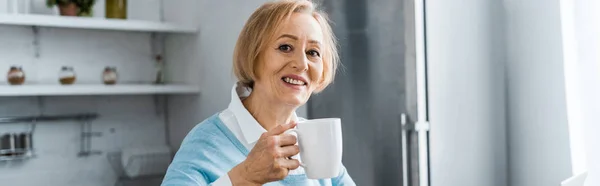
[(260, 29)]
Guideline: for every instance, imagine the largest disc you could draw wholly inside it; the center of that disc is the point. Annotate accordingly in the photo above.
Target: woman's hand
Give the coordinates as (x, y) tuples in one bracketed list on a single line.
[(269, 159)]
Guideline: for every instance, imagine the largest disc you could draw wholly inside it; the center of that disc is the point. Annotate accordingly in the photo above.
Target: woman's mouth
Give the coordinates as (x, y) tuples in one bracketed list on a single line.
[(293, 81)]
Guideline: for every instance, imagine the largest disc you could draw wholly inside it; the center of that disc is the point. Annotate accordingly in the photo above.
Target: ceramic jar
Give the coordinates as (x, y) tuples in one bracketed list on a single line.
[(15, 76)]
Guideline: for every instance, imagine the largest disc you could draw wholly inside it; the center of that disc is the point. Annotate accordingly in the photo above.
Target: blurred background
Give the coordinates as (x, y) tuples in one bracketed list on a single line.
[(430, 92)]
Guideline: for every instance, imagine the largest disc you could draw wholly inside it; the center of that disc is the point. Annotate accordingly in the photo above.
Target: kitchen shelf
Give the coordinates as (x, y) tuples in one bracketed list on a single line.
[(95, 89), (92, 23)]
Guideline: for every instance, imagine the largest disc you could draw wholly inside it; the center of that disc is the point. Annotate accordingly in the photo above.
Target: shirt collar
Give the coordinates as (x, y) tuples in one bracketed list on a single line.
[(251, 129)]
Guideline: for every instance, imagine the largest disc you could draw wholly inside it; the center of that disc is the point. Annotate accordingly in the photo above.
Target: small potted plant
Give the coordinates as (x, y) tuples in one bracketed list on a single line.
[(85, 7), (66, 7), (73, 7)]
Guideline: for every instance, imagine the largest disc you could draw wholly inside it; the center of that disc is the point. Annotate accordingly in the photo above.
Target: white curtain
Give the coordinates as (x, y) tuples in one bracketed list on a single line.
[(581, 32)]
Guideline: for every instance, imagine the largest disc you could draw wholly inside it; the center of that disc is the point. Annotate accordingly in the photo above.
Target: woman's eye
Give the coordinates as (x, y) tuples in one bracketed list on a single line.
[(285, 48), (313, 53)]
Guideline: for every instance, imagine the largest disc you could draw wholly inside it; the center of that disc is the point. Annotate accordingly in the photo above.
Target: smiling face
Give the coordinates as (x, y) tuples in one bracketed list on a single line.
[(291, 66)]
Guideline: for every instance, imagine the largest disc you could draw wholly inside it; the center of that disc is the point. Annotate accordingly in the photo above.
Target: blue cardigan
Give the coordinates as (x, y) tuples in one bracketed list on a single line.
[(210, 150)]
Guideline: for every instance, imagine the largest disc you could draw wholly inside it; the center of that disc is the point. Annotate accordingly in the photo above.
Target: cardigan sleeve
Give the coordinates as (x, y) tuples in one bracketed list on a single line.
[(343, 179), (196, 163), (185, 170)]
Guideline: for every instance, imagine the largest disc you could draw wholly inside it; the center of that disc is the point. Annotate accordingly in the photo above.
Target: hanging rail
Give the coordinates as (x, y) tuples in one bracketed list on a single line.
[(42, 118)]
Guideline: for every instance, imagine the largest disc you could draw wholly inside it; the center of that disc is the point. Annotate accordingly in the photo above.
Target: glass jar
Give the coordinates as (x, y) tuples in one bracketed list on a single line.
[(116, 9), (67, 75), (110, 76), (15, 76)]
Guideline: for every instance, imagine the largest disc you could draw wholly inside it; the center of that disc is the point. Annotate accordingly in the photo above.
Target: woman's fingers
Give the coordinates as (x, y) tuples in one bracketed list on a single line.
[(281, 129), (286, 139), (290, 164), (289, 151), (269, 158)]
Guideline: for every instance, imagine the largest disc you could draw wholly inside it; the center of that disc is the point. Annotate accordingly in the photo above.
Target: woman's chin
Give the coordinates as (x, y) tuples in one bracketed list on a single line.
[(295, 100)]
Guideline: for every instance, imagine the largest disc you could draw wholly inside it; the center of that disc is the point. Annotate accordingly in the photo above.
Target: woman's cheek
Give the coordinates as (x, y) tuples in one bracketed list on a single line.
[(317, 73)]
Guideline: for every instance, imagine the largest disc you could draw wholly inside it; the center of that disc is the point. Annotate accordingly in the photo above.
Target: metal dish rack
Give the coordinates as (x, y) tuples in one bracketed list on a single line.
[(144, 167), (141, 165), (13, 153)]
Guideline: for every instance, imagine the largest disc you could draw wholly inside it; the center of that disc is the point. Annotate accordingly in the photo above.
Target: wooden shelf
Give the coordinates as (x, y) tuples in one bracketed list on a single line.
[(92, 23), (93, 89)]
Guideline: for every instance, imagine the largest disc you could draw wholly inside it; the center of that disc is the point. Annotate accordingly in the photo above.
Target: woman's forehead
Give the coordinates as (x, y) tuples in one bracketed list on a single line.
[(301, 26)]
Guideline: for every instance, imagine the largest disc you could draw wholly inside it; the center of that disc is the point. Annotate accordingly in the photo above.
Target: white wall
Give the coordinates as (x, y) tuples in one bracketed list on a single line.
[(538, 131), (465, 60), (581, 43), (589, 66), (124, 120)]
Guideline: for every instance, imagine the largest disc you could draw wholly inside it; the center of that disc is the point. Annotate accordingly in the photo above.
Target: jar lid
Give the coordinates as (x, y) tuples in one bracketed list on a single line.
[(67, 68)]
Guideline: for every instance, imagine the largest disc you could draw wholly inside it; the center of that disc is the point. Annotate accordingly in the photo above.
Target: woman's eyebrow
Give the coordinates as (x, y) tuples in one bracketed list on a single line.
[(296, 38), (288, 36)]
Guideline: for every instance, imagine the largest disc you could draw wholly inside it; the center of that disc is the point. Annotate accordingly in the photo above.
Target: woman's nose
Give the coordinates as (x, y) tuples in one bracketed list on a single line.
[(301, 62)]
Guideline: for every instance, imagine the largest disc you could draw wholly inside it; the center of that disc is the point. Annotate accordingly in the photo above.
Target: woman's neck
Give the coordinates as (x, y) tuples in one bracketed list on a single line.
[(268, 112)]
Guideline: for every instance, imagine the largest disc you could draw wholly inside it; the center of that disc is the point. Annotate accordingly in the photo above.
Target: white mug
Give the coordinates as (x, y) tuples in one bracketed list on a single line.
[(320, 142)]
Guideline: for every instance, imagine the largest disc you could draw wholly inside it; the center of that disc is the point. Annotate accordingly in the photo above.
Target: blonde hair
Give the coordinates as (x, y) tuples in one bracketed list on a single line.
[(260, 29)]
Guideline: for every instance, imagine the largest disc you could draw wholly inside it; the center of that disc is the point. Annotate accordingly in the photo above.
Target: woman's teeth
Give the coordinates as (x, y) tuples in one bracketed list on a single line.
[(293, 81)]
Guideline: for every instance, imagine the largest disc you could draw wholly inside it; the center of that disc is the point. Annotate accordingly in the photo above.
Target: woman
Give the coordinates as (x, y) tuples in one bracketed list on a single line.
[(285, 52)]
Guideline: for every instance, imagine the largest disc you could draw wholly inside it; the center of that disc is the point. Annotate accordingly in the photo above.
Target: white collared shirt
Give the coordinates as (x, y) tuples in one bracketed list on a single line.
[(245, 128)]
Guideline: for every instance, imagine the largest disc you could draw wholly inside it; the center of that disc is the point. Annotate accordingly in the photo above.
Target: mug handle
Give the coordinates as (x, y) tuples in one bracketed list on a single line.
[(295, 131)]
